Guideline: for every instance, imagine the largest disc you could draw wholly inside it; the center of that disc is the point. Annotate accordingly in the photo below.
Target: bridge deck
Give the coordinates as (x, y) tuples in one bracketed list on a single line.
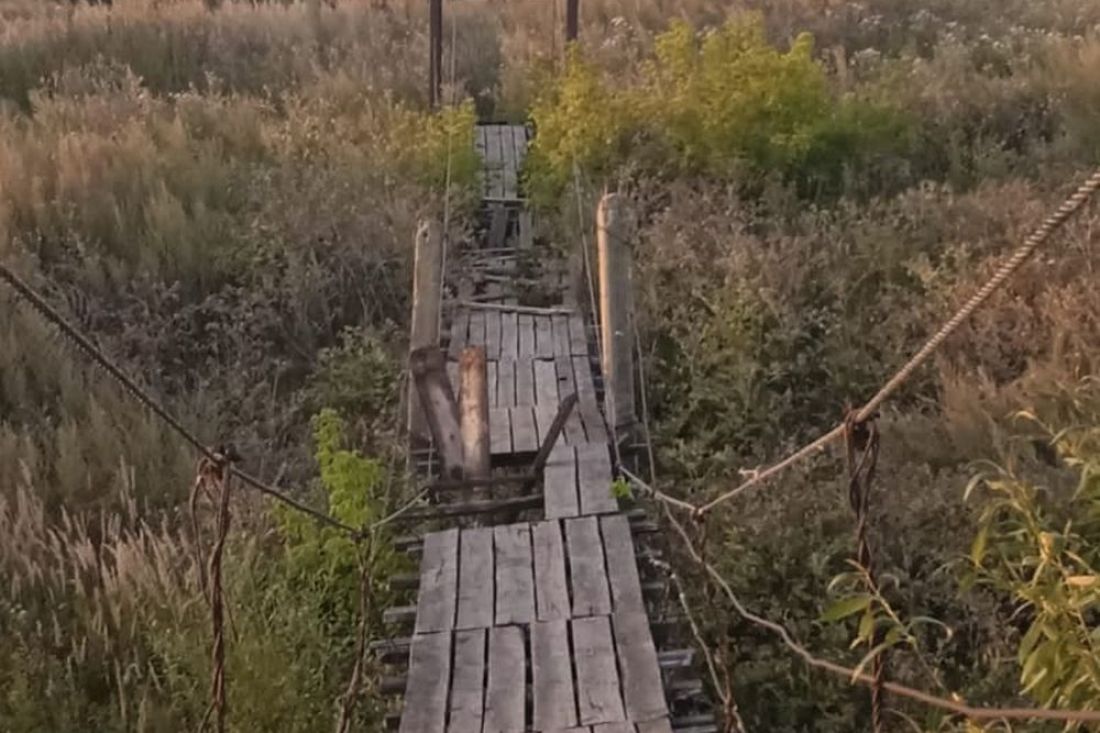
[(536, 625)]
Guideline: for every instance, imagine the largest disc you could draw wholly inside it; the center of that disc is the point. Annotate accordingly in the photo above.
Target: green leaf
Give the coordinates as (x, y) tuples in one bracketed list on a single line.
[(867, 626), (846, 607)]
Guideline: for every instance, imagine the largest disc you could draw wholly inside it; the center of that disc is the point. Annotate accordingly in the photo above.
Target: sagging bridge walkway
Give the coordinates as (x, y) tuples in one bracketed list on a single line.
[(532, 610)]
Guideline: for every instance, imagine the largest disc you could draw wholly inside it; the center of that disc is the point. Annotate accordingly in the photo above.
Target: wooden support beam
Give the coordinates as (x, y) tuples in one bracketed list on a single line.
[(427, 291), (528, 309), (572, 19), (616, 316), (440, 408), (552, 434), (474, 412)]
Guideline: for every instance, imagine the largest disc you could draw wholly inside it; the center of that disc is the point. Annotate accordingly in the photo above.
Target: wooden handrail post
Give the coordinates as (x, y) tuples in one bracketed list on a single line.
[(572, 22), (427, 292), (616, 311), (435, 60), (429, 371), (473, 398)]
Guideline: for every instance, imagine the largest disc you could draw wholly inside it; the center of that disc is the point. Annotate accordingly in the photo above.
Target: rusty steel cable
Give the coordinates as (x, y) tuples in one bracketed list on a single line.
[(1038, 237), (957, 707), (90, 350)]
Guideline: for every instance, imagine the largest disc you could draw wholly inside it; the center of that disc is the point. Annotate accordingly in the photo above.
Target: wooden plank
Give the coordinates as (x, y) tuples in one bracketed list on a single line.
[(505, 695), (508, 155), (519, 140), (582, 374), (526, 230), (598, 699), (474, 412), (468, 683), (477, 328), (643, 693), (613, 728), (500, 431), (578, 336), (562, 345), (427, 683), (588, 579), (475, 582), (594, 480), (525, 381), (435, 606), (525, 437), (506, 383), (493, 324), (546, 384), (574, 426), (498, 225), (559, 483), (622, 565), (460, 326), (551, 592), (661, 725), (552, 677), (502, 179), (492, 379), (515, 592), (544, 337), (452, 375), (526, 325), (509, 336)]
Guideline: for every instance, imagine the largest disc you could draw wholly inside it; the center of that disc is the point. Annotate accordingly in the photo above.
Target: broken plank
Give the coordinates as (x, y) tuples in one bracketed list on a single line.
[(643, 693), (468, 683), (551, 592), (525, 437), (475, 582), (515, 592), (594, 480), (591, 596), (554, 706), (426, 686), (598, 699), (622, 565), (505, 695), (435, 606), (559, 483)]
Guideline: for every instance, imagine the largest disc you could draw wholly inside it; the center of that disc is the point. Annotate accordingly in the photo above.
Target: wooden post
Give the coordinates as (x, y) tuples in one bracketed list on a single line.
[(427, 291), (435, 60), (474, 412), (572, 11), (616, 316), (429, 371)]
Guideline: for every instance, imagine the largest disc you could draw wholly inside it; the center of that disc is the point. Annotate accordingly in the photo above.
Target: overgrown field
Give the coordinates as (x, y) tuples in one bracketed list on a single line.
[(226, 197)]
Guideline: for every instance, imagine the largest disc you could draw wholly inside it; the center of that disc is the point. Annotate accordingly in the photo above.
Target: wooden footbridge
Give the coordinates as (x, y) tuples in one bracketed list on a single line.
[(532, 609)]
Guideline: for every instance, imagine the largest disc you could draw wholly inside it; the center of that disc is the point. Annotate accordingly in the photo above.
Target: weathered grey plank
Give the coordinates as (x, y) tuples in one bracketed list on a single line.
[(526, 230), (546, 383), (475, 581), (598, 698), (551, 592), (574, 425), (435, 606), (552, 677), (578, 336), (491, 382), (562, 344), (594, 480), (524, 430), (506, 383), (588, 578), (544, 419), (641, 676), (505, 695), (460, 325), (559, 483), (493, 328), (508, 157), (526, 326), (525, 381), (426, 686), (515, 591), (500, 431), (477, 328), (468, 682), (582, 374), (613, 728), (452, 376), (544, 337), (661, 725), (622, 565), (509, 336)]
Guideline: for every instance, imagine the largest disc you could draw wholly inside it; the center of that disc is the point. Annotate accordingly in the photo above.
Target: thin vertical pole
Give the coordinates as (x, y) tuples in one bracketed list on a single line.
[(427, 292), (435, 61), (616, 317), (572, 11)]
